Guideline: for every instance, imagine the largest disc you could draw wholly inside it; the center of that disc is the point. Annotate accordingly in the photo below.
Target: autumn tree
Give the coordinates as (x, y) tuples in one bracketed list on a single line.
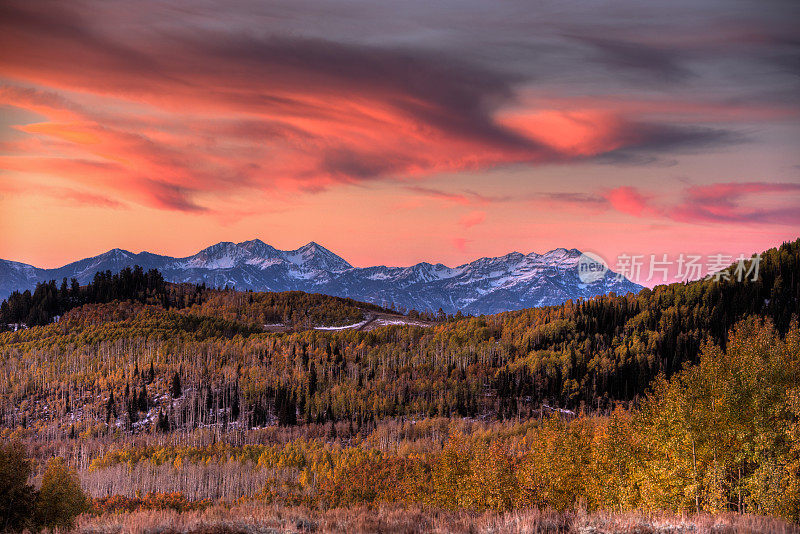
[(60, 498), (16, 496)]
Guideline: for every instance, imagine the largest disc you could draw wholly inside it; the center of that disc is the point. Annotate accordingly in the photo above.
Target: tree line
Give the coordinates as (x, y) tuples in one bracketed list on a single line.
[(48, 300)]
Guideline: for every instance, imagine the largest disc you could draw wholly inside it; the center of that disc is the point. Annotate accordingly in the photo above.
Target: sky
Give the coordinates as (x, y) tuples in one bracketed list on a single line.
[(398, 132)]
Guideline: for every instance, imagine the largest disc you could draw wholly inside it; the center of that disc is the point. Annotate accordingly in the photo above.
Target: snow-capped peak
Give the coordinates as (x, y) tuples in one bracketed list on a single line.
[(315, 256), (259, 249), (116, 253)]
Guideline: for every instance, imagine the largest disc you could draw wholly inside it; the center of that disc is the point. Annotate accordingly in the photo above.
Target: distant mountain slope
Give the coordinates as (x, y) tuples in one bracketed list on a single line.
[(484, 286), (15, 275)]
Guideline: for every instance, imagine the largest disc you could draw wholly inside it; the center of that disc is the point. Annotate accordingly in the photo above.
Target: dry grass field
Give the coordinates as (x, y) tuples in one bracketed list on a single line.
[(263, 519)]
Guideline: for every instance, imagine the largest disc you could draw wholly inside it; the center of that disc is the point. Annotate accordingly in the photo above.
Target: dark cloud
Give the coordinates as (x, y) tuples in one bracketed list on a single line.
[(653, 64), (648, 142), (348, 164), (447, 93), (171, 196), (589, 200), (785, 53), (51, 23)]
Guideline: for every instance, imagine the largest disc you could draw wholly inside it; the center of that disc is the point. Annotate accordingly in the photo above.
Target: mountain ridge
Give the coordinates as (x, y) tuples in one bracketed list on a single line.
[(482, 286)]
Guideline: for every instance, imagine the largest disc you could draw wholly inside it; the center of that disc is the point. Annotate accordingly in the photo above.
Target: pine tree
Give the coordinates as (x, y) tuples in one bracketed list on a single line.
[(142, 401), (312, 380), (111, 407), (175, 388)]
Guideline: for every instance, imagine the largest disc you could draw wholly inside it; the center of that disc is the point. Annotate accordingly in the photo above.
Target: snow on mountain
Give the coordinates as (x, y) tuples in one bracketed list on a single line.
[(486, 285), (15, 275), (316, 257)]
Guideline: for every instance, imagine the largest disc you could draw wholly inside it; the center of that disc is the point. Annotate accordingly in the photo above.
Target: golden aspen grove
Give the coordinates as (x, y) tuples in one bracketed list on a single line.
[(681, 401)]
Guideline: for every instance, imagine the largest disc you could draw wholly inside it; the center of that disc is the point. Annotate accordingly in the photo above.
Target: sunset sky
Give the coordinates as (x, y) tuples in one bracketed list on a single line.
[(397, 132)]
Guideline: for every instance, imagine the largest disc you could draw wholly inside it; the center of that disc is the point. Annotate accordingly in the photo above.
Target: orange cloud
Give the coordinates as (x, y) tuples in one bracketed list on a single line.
[(574, 133), (64, 195), (71, 133), (178, 119)]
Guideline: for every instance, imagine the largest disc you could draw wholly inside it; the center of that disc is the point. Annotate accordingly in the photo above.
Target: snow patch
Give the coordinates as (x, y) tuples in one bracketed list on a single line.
[(354, 325)]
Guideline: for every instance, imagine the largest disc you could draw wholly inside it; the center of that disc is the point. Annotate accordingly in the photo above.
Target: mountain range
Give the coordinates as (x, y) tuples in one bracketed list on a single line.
[(484, 286)]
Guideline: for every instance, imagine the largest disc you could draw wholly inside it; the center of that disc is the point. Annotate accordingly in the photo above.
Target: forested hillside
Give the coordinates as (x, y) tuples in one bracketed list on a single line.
[(294, 309), (542, 407), (586, 353), (290, 308)]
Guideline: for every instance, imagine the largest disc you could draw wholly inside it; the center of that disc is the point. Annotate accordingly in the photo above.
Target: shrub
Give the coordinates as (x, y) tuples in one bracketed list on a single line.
[(61, 498)]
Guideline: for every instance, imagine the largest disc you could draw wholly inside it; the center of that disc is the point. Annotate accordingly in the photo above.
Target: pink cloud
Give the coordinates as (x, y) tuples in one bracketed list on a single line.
[(740, 202), (64, 195), (628, 200), (464, 197), (726, 202), (460, 243), (472, 218)]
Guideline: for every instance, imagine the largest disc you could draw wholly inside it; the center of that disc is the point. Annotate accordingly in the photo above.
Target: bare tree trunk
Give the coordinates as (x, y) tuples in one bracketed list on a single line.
[(739, 489), (696, 484)]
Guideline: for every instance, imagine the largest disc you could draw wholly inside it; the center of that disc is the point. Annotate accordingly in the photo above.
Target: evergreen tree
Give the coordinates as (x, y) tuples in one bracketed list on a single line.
[(175, 388)]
